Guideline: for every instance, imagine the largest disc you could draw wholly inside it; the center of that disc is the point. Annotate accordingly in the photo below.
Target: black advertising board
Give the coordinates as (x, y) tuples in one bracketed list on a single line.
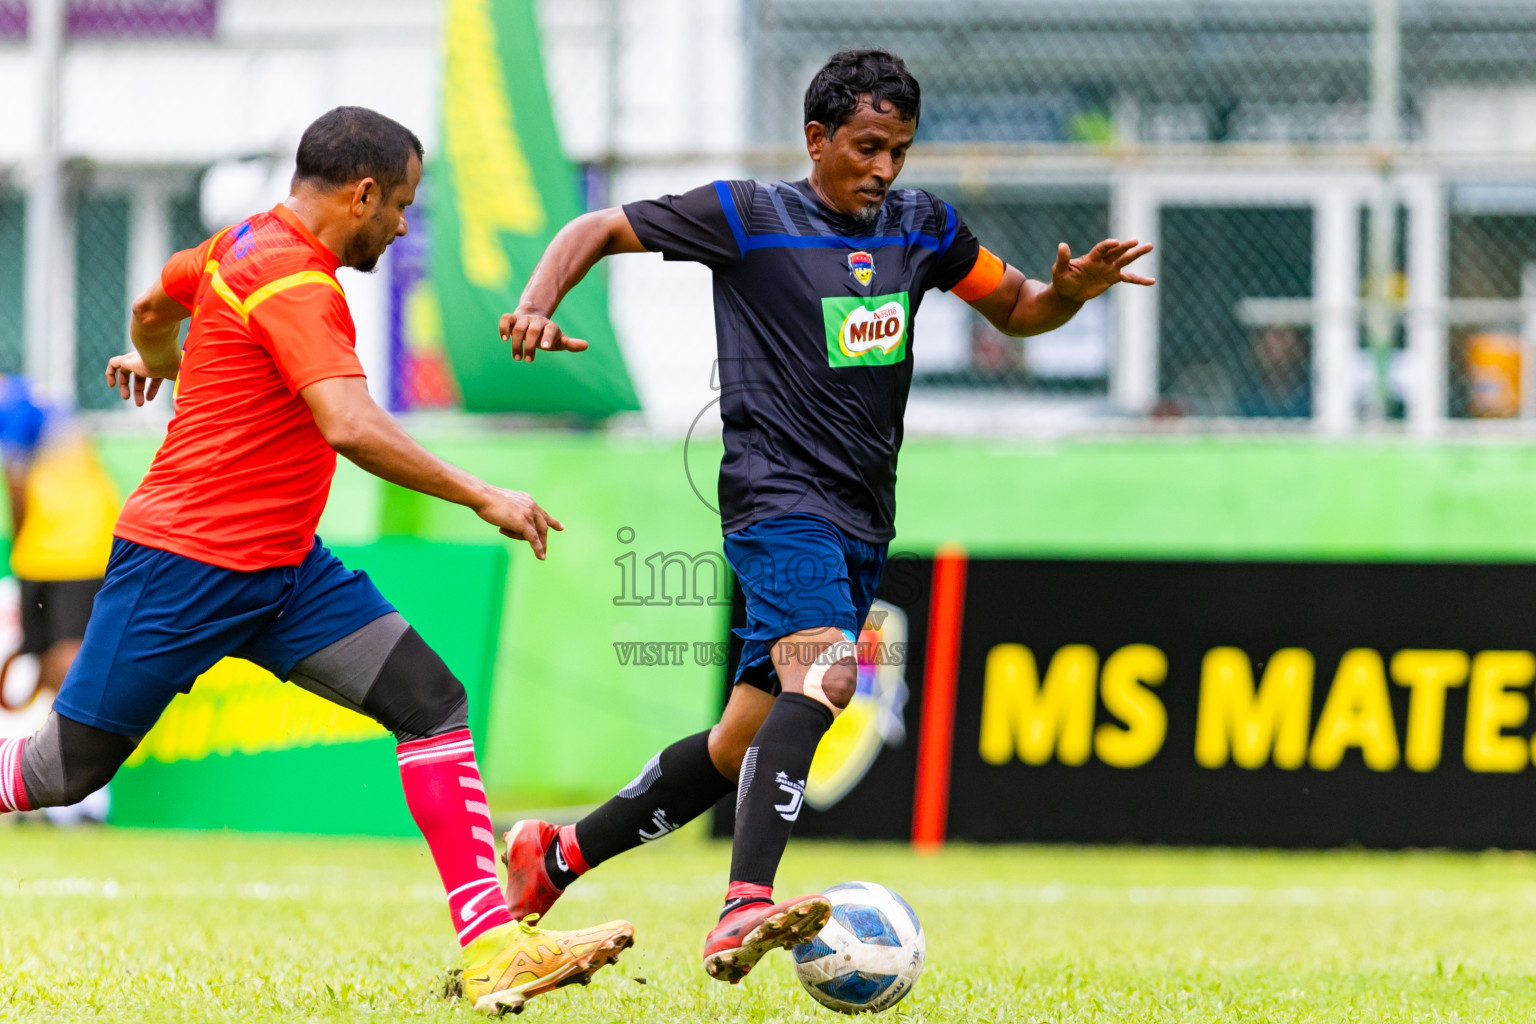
[(1261, 703)]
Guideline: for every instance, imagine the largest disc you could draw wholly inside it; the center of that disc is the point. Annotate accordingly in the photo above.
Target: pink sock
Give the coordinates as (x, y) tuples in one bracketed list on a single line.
[(447, 799), (13, 791)]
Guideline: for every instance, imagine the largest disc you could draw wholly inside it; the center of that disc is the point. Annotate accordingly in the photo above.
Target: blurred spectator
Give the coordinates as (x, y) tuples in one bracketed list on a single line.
[(1493, 374), (1280, 385), (1200, 389), (63, 508)]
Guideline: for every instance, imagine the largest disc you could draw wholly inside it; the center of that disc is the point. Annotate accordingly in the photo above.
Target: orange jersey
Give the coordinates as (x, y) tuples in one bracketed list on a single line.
[(244, 473)]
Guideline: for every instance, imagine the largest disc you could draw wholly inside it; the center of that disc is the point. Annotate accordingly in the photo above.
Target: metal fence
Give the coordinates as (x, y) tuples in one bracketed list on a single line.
[(1252, 142), (77, 238), (1256, 143), (1153, 71), (12, 282), (101, 292)]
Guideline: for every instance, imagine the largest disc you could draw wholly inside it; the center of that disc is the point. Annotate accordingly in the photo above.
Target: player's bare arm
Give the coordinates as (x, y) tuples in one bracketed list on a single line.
[(353, 423), (16, 492), (154, 329), (1020, 307), (571, 254)]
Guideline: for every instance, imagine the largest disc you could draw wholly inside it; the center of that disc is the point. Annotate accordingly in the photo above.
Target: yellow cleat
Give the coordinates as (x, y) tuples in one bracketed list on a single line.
[(512, 963)]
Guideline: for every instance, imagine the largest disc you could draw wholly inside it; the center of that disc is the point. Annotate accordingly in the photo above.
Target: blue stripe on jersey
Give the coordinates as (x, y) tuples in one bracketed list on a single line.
[(729, 206), (949, 230), (840, 242), (745, 242)]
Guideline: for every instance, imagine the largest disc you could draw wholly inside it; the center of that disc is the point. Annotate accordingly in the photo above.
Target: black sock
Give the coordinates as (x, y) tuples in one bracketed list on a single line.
[(676, 786), (772, 785)]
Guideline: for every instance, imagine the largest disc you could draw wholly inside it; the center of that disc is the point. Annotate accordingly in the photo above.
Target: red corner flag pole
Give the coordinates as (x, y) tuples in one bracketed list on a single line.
[(935, 742)]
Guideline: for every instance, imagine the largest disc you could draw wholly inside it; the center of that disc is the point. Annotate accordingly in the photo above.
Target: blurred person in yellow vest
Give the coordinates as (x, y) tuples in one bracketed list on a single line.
[(63, 507)]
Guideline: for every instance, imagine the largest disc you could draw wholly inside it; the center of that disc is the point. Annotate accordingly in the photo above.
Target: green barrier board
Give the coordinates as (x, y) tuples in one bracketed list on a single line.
[(244, 751)]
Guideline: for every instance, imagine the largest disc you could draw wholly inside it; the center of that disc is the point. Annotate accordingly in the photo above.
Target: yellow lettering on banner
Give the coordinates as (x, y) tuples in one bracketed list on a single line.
[(195, 724), (1019, 714), (1357, 713), (1127, 674), (1253, 727), (1427, 674), (238, 708), (1491, 709), (491, 174)]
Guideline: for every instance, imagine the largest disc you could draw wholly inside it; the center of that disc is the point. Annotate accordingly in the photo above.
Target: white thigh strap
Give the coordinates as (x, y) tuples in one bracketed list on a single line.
[(844, 648)]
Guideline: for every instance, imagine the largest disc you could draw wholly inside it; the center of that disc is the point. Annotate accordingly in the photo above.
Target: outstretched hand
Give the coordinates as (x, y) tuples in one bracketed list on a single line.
[(132, 378), (530, 332), (518, 516), (1087, 277)]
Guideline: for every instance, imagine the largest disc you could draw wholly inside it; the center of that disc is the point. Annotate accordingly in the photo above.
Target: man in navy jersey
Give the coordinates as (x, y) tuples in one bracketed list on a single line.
[(816, 283)]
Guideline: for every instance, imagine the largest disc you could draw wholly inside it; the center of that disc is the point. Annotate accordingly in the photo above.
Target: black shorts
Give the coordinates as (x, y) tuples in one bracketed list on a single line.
[(54, 610)]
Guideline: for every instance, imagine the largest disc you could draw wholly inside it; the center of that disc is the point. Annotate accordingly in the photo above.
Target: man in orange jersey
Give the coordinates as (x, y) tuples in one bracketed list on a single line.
[(216, 555)]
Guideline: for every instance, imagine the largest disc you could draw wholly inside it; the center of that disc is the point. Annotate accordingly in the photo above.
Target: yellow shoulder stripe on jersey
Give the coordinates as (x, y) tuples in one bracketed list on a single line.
[(213, 243), (223, 290), (282, 284), (268, 290), (212, 267)]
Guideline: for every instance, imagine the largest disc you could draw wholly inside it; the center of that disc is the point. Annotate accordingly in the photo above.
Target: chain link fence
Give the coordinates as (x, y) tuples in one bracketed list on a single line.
[(101, 293), (1493, 281), (104, 213), (1214, 360), (1026, 225), (1029, 108), (1236, 134), (103, 281), (12, 282), (1155, 71)]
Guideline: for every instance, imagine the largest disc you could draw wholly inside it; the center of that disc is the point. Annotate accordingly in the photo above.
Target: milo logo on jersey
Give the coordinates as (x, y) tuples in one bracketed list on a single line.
[(866, 330)]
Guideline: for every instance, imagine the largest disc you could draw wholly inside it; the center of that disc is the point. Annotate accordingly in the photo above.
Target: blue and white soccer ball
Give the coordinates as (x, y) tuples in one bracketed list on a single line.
[(868, 956)]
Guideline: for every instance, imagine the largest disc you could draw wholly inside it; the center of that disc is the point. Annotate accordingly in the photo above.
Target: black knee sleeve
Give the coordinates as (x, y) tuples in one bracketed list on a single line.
[(66, 761), (415, 695)]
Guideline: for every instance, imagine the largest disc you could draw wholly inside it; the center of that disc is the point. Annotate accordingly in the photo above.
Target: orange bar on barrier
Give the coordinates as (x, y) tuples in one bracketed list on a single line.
[(935, 743)]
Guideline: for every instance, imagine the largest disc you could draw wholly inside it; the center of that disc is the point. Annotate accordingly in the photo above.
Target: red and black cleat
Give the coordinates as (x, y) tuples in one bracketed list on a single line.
[(748, 933), (529, 890)]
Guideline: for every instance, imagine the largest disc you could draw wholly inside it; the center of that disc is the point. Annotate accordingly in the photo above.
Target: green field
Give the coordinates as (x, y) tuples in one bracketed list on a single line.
[(161, 926)]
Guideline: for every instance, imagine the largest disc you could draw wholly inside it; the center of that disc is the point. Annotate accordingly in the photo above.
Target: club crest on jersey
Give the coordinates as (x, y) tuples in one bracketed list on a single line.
[(862, 266)]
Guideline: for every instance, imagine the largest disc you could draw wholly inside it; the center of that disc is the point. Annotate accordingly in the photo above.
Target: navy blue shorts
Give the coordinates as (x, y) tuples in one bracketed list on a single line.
[(162, 619), (798, 572)]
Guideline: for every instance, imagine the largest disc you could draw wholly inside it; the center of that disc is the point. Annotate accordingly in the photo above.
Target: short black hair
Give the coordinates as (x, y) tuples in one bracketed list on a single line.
[(348, 144), (849, 75)]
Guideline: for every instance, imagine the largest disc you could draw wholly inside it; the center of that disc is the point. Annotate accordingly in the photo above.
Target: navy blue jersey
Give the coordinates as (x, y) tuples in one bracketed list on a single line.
[(813, 320)]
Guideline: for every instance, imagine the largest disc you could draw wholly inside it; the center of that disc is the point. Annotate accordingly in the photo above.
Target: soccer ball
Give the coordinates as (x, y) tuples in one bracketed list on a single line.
[(868, 955)]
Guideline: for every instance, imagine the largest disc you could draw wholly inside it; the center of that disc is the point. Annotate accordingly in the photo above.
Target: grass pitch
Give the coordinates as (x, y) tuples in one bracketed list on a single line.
[(155, 926)]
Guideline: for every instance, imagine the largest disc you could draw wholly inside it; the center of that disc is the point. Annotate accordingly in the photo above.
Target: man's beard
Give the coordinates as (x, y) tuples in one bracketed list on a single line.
[(867, 215), (367, 251)]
